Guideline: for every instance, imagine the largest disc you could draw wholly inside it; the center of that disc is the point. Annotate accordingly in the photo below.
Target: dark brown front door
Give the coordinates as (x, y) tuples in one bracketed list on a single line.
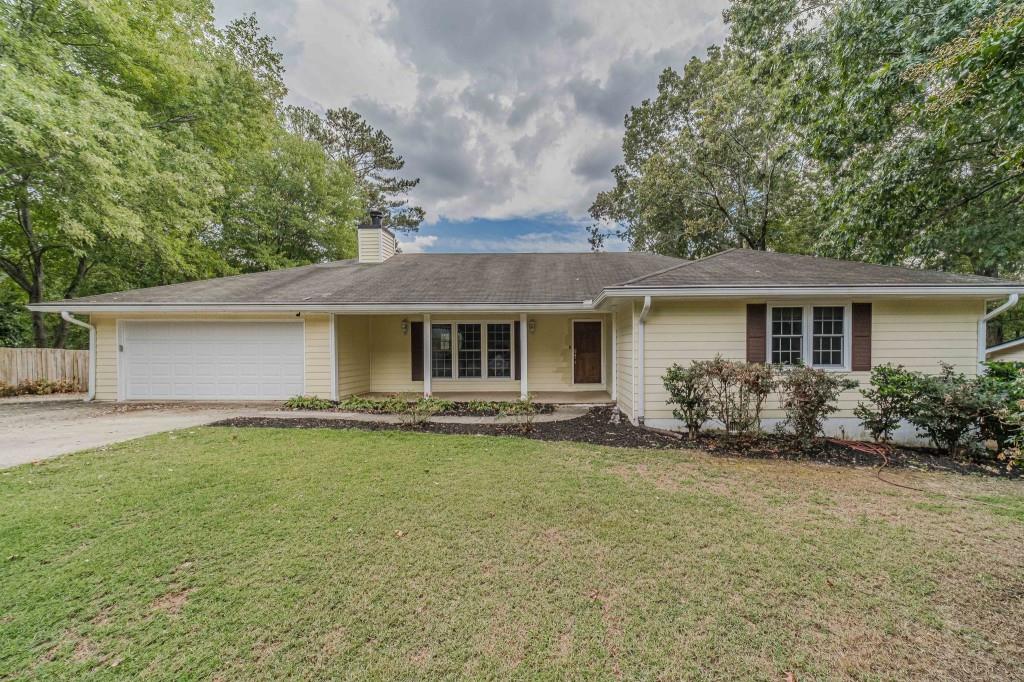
[(586, 352)]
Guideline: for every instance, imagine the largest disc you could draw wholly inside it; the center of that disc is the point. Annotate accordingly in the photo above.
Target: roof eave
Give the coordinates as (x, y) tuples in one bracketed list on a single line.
[(888, 290), (351, 308)]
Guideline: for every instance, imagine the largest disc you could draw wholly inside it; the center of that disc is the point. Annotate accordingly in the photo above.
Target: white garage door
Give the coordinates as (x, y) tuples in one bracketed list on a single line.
[(212, 360)]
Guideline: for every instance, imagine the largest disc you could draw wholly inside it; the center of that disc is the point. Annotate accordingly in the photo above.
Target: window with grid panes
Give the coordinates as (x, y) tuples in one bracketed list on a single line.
[(787, 335), (470, 350)]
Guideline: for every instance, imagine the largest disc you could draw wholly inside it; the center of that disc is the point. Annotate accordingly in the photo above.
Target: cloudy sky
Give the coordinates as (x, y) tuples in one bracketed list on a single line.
[(511, 113)]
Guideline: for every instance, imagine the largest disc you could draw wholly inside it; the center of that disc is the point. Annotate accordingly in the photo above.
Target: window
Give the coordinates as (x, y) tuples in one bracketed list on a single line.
[(828, 336), (441, 351), (470, 347), (787, 336), (499, 351), (812, 334)]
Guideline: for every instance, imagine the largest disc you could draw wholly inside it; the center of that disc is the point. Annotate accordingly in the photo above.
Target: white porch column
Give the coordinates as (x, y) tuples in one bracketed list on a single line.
[(333, 342), (524, 331), (426, 355), (615, 356)]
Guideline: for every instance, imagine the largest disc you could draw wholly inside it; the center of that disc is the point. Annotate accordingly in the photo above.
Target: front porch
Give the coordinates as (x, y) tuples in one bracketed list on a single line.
[(543, 397), (553, 357)]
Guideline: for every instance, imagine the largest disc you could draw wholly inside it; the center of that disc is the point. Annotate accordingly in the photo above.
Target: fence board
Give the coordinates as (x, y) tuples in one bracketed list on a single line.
[(51, 364)]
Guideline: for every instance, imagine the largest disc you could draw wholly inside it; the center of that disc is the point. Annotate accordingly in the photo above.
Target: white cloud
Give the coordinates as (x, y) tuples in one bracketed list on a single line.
[(417, 244), (503, 109)]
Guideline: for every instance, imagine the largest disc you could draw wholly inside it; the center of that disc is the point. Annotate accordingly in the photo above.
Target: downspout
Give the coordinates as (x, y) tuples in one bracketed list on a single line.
[(68, 317), (641, 361), (983, 329)]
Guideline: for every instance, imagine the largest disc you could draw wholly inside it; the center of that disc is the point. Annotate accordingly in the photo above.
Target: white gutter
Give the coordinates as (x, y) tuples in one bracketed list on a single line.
[(900, 291), (91, 394), (641, 393), (355, 308), (983, 329)]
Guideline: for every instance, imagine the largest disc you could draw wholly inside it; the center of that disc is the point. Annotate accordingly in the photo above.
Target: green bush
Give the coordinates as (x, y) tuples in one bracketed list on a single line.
[(737, 391), (890, 400), (808, 396), (689, 394), (308, 402), (420, 411), (1003, 389), (949, 407), (523, 410)]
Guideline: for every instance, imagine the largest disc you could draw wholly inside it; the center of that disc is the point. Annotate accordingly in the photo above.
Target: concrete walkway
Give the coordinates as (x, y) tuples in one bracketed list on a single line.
[(42, 427), (561, 413)]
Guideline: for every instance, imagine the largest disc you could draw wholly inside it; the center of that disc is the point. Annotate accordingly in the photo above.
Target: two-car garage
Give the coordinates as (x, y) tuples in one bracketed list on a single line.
[(192, 360)]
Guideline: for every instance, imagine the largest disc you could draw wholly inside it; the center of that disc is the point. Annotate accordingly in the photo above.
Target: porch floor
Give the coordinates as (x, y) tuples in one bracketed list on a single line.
[(552, 397)]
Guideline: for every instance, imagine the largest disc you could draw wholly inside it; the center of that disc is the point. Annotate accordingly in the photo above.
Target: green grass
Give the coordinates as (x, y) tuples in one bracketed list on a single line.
[(252, 553)]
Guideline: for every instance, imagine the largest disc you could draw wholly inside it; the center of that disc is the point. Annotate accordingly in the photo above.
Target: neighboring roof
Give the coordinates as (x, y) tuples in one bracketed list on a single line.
[(747, 268), (1005, 345), (499, 278), (553, 280)]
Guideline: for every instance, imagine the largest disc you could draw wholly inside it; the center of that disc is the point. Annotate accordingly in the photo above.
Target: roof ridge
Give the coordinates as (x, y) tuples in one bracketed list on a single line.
[(675, 267)]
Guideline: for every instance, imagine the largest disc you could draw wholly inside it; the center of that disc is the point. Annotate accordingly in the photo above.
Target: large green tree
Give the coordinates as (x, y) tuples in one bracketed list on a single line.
[(369, 152), (706, 167), (291, 206), (118, 133), (911, 110)]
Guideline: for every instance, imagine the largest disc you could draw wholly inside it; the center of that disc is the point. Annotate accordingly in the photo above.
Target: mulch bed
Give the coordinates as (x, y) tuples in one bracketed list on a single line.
[(458, 409), (600, 427)]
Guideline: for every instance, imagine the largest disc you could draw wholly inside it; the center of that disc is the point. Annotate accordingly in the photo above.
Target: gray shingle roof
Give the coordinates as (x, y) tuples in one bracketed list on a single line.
[(747, 268), (524, 278), (416, 278)]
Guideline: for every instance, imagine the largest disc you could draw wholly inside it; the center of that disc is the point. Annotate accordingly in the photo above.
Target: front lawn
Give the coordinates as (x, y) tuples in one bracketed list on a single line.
[(269, 553)]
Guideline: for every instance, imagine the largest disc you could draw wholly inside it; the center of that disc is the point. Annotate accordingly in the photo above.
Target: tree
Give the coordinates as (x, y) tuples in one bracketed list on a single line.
[(911, 110), (706, 168), (370, 153), (118, 130), (292, 206)]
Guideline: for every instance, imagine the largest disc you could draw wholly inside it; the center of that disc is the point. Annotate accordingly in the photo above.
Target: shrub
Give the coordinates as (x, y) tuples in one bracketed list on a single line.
[(737, 391), (308, 402), (947, 408), (523, 411), (419, 412), (1002, 387), (808, 397), (890, 400), (689, 392), (37, 387)]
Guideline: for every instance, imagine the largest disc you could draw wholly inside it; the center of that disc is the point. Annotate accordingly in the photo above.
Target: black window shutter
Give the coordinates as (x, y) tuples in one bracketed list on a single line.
[(416, 347), (757, 332), (860, 355), (517, 362)]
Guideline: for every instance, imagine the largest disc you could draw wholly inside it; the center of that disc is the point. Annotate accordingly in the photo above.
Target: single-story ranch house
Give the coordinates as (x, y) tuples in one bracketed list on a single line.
[(578, 327)]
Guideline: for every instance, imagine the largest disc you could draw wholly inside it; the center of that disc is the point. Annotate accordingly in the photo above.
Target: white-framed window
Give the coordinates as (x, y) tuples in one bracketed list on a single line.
[(471, 350), (814, 334)]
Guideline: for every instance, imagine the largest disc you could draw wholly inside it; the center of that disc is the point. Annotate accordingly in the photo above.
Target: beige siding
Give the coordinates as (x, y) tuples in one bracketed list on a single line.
[(319, 374), (106, 357), (353, 354), (916, 334), (369, 246), (1014, 354), (550, 354), (624, 361), (388, 244)]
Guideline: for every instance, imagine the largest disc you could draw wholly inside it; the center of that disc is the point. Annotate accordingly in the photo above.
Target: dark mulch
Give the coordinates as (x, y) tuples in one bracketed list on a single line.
[(458, 409), (600, 427)]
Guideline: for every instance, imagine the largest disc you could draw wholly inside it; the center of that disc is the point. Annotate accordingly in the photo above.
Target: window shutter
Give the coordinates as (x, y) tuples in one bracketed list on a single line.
[(861, 352), (416, 347), (516, 362), (757, 332)]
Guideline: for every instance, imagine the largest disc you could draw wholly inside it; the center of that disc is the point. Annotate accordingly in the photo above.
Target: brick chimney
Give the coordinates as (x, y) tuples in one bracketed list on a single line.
[(376, 242)]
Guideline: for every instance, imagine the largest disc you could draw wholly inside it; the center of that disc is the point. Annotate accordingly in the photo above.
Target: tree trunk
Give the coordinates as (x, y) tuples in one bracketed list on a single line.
[(61, 333)]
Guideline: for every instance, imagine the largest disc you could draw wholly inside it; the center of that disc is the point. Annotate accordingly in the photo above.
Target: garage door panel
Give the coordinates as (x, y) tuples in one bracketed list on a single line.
[(213, 360)]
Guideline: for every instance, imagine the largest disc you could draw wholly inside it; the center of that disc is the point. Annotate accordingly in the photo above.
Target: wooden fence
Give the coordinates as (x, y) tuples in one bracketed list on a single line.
[(51, 364)]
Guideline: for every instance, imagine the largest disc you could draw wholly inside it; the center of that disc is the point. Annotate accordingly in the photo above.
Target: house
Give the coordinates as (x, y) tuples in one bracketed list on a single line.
[(579, 327), (1008, 351)]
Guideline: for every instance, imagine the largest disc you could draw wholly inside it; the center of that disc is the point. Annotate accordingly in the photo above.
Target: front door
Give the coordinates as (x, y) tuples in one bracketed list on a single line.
[(586, 352)]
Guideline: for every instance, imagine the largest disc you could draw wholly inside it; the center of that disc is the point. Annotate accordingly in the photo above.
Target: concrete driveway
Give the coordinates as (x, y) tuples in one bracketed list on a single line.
[(45, 427)]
